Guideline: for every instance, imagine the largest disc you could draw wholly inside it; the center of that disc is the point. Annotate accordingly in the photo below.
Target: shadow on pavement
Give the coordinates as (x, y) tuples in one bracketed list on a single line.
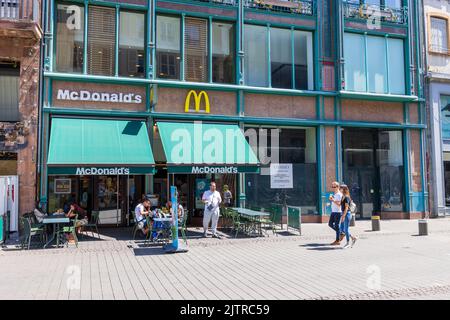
[(149, 251), (319, 246)]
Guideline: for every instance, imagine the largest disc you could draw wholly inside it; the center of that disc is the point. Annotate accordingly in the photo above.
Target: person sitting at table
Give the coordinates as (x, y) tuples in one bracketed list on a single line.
[(82, 219), (141, 212), (180, 209)]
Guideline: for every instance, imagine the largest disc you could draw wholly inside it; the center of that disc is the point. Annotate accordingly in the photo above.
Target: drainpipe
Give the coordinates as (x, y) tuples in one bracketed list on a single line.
[(40, 99)]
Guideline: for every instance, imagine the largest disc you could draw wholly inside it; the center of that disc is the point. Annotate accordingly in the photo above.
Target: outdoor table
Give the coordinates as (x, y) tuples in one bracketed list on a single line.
[(56, 220), (254, 216)]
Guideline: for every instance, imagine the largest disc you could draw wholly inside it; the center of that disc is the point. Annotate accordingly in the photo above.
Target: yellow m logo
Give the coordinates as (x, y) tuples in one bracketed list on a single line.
[(197, 100)]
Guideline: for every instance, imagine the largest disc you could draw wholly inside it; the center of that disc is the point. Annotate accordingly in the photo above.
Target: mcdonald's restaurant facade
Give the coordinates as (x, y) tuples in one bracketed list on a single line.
[(122, 77)]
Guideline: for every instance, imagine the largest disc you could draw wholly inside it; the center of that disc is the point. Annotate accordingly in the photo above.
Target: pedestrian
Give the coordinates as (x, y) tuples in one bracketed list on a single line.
[(336, 211), (346, 216), (227, 196), (212, 199)]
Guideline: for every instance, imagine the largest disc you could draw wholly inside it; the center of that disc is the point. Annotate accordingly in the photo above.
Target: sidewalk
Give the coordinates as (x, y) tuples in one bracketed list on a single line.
[(391, 264)]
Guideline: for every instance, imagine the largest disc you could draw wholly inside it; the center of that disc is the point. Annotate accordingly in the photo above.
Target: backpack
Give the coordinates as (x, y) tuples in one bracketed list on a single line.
[(353, 207)]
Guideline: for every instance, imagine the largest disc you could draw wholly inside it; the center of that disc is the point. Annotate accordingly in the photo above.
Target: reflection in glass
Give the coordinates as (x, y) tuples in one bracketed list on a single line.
[(223, 52), (168, 47), (131, 44), (69, 38), (255, 47), (303, 54), (281, 58)]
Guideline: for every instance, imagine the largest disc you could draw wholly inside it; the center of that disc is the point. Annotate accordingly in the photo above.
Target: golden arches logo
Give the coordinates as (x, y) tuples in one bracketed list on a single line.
[(197, 100)]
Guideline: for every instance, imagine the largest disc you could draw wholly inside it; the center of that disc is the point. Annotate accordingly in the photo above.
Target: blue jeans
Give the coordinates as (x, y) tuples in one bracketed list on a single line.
[(333, 223), (344, 226)]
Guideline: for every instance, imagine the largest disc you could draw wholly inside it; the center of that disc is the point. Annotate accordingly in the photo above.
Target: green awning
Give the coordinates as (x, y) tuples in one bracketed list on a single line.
[(206, 148), (97, 147)]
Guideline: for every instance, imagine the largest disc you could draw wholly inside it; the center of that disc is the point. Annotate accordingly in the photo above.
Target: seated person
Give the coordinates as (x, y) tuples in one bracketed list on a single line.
[(76, 210), (39, 215), (141, 212)]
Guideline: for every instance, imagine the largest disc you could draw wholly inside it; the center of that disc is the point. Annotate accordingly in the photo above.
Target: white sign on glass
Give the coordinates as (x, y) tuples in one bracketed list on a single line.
[(281, 176)]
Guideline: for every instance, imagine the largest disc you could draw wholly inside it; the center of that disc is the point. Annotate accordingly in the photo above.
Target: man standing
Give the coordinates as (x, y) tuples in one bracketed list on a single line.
[(335, 211), (212, 199)]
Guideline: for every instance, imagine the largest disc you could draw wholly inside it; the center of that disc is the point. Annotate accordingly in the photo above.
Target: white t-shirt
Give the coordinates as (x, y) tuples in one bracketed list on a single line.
[(213, 198), (334, 206), (138, 212)]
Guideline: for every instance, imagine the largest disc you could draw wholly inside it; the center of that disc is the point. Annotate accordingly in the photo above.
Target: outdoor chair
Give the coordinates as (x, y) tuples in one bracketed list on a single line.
[(69, 229), (238, 223), (136, 225), (182, 225), (29, 232), (268, 222), (92, 224)]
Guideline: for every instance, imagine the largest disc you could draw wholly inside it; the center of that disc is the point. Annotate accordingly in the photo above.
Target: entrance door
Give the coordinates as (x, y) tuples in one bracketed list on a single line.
[(361, 173)]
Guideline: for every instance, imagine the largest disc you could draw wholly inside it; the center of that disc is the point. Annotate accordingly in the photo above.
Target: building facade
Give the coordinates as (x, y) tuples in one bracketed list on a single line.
[(20, 41), (436, 15), (330, 90)]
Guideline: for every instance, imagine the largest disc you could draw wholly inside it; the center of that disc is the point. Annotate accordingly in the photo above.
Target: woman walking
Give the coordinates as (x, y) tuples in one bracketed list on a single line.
[(346, 216)]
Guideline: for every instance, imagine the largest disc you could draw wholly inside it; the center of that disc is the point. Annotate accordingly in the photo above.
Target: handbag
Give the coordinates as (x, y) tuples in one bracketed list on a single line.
[(352, 207)]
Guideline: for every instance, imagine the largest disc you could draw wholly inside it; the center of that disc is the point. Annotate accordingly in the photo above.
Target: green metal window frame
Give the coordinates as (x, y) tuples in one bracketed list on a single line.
[(292, 36), (386, 57), (118, 8)]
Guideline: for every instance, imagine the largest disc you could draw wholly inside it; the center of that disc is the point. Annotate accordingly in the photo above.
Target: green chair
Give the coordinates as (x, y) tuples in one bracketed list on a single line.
[(238, 223), (136, 225), (182, 227), (268, 222), (71, 229), (92, 224), (29, 232)]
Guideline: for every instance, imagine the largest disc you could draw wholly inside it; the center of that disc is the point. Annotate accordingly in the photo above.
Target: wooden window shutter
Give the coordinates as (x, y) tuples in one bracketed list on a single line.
[(196, 46), (101, 41)]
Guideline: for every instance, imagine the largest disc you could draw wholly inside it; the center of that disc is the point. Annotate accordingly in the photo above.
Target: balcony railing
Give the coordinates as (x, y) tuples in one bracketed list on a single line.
[(19, 10), (305, 7), (373, 12), (288, 6)]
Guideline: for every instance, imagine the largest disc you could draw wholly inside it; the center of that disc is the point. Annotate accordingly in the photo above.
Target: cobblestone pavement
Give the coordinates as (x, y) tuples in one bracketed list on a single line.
[(394, 263)]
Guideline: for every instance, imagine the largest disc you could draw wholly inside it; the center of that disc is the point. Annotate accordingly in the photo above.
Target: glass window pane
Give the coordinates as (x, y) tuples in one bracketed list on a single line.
[(255, 46), (390, 162), (439, 35), (281, 58), (394, 4), (101, 41), (376, 63), (303, 54), (354, 54), (298, 147), (9, 94), (69, 38), (445, 119), (196, 55), (223, 52), (396, 66), (131, 44), (168, 47)]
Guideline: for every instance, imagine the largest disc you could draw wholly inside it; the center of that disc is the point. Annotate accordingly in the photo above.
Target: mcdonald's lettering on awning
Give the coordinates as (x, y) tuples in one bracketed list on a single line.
[(200, 99)]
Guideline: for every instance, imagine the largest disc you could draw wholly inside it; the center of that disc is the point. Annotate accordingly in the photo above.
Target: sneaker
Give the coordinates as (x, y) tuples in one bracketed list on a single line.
[(205, 235), (354, 240), (347, 245), (335, 243)]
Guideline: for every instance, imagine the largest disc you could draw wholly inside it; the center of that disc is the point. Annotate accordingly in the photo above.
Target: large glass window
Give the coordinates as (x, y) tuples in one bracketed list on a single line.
[(255, 46), (281, 58), (384, 69), (196, 46), (101, 41), (168, 48), (296, 147), (131, 44), (69, 38), (223, 52)]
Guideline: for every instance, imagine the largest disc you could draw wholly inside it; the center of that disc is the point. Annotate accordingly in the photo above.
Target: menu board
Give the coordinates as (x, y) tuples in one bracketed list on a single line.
[(281, 176), (63, 186)]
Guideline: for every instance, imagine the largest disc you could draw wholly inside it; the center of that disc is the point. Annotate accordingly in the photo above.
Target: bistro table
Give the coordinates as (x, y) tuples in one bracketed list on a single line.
[(56, 220), (163, 227), (254, 216)]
